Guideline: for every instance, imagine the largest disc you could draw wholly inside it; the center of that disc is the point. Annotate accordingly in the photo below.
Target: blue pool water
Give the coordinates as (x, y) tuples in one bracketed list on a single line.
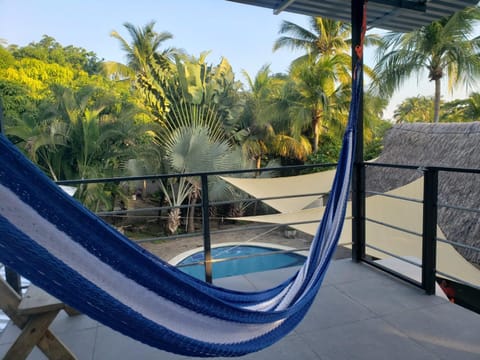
[(242, 265)]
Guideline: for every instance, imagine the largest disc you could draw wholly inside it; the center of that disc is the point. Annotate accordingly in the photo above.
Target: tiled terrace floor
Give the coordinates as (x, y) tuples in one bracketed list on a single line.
[(360, 313)]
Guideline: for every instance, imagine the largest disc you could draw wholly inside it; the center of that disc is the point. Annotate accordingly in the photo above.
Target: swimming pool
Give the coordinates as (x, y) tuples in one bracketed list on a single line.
[(243, 261)]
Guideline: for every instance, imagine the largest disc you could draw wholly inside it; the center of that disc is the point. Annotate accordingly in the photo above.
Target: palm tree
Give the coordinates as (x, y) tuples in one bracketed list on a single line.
[(473, 107), (263, 133), (318, 99), (444, 48), (321, 76), (193, 140), (325, 37), (150, 64), (98, 140), (414, 109), (145, 44), (42, 141), (462, 110)]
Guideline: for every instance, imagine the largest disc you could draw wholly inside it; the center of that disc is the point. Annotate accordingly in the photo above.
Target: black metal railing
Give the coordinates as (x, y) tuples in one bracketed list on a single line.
[(428, 234), (205, 204)]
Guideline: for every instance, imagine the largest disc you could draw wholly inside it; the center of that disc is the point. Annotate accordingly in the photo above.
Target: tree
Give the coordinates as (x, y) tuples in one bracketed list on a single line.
[(50, 51), (462, 110), (193, 141), (263, 134), (473, 107), (194, 81), (150, 64), (414, 109), (17, 102), (325, 37), (444, 48), (321, 76), (145, 44), (319, 97)]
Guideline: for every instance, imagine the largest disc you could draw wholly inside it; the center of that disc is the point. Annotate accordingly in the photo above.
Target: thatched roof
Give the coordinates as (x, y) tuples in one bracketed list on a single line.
[(449, 145)]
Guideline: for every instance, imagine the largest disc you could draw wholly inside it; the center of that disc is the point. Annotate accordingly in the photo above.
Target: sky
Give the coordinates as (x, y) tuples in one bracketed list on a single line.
[(243, 34)]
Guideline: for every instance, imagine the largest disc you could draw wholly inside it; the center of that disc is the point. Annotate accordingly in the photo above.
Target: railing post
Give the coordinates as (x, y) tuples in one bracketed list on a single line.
[(207, 245), (358, 176), (429, 239)]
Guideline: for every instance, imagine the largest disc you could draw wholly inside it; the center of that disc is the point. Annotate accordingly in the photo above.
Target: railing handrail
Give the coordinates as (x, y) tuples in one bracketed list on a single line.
[(423, 167), (192, 174)]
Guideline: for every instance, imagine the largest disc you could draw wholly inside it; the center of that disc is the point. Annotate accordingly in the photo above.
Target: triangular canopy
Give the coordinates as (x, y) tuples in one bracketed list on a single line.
[(402, 214)]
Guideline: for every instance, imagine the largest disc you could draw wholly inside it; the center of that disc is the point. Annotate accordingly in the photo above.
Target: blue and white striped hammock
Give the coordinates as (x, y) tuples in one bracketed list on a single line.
[(65, 249)]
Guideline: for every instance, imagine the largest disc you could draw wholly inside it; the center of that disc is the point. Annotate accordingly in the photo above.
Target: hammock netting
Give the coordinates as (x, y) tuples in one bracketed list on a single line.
[(62, 247)]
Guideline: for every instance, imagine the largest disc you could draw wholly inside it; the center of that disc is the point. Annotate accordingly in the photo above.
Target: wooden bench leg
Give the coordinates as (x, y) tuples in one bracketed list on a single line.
[(31, 334), (34, 328), (54, 348), (36, 332)]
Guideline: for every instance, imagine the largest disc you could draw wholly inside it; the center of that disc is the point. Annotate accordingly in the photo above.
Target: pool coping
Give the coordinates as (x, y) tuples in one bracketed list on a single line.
[(178, 258)]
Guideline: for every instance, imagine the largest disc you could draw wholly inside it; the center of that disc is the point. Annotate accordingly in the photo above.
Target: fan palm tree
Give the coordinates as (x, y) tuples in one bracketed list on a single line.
[(443, 48), (193, 140)]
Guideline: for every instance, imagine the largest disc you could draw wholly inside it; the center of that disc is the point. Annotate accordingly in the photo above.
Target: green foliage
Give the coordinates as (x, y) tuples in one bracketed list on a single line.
[(444, 48), (319, 97), (38, 76), (17, 102), (196, 82), (48, 50), (266, 133), (151, 66), (322, 37), (462, 110), (328, 151), (414, 109), (6, 58), (420, 109), (374, 146)]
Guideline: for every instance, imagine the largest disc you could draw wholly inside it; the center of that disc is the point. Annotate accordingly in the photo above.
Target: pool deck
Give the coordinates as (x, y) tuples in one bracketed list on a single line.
[(360, 313)]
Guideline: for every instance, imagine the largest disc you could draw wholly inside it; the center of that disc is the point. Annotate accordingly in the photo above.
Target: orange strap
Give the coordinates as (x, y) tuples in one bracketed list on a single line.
[(359, 47)]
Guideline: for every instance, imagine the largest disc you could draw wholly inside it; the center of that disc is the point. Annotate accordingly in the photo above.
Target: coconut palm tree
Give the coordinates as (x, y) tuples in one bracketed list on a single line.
[(324, 37), (462, 110), (149, 62), (263, 133), (318, 99), (321, 76), (145, 43), (414, 109), (444, 48)]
